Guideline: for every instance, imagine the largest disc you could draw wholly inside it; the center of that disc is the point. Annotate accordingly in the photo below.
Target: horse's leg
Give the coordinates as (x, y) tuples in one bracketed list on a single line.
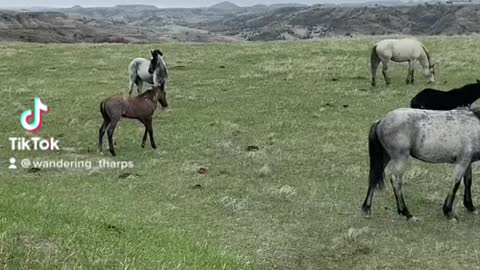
[(101, 133), (460, 170), (374, 66), (110, 130), (139, 86), (398, 165), (150, 132), (409, 72), (467, 196), (145, 133), (385, 72), (412, 77), (367, 204), (133, 79), (144, 137)]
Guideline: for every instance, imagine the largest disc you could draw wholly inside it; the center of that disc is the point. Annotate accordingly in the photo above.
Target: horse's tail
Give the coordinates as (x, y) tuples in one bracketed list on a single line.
[(103, 111), (378, 159), (374, 62), (374, 59), (132, 66)]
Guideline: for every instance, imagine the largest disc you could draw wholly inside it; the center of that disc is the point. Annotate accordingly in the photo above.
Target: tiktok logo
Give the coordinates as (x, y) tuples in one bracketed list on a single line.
[(37, 115), (31, 121)]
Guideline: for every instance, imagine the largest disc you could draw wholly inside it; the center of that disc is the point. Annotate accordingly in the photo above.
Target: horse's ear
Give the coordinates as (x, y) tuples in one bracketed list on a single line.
[(478, 81), (157, 52), (152, 52)]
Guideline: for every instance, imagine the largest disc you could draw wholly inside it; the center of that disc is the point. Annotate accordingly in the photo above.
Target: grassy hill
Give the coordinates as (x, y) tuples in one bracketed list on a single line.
[(292, 204), (228, 22)]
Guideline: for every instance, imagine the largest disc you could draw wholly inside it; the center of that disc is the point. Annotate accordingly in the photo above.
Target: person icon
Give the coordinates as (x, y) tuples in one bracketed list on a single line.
[(12, 164)]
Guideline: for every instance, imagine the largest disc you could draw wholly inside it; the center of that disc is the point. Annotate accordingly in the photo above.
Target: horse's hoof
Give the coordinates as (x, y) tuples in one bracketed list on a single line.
[(452, 217), (143, 145), (413, 219), (154, 146), (471, 209), (453, 220), (367, 213)]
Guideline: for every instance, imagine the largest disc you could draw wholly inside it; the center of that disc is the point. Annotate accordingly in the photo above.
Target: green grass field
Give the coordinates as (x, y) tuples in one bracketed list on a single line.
[(293, 204)]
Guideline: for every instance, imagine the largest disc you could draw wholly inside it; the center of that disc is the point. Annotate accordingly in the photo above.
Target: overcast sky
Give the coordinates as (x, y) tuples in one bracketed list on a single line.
[(159, 3)]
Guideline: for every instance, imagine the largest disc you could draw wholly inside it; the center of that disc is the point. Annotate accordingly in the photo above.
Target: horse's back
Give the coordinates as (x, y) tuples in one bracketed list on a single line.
[(138, 62), (139, 68), (431, 99), (399, 50), (430, 116), (410, 121), (406, 42)]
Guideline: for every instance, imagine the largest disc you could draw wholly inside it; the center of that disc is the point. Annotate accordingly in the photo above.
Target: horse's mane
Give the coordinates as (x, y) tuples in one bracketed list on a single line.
[(163, 65), (165, 70), (149, 93), (146, 93), (159, 55), (428, 55), (157, 52)]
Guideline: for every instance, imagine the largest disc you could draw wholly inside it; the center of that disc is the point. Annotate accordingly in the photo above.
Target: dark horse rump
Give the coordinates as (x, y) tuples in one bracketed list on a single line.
[(432, 99)]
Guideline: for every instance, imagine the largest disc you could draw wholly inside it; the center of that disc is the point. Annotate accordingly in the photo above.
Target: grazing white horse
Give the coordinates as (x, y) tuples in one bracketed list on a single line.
[(152, 71), (401, 50)]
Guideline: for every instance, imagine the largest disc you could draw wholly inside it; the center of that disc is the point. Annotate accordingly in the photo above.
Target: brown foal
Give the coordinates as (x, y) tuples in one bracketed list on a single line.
[(139, 107)]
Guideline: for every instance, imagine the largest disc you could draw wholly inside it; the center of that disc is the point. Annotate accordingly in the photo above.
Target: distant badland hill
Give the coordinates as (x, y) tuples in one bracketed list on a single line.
[(229, 22)]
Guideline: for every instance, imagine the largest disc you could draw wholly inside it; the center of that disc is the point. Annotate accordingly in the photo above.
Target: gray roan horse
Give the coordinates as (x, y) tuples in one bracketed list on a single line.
[(152, 71), (401, 50), (428, 135)]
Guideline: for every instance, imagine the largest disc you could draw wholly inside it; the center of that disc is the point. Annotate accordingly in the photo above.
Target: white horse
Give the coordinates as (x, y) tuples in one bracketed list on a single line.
[(401, 50), (152, 71)]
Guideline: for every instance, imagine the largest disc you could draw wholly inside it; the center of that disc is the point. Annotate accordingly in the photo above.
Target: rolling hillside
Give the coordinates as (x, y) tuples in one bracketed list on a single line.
[(226, 22)]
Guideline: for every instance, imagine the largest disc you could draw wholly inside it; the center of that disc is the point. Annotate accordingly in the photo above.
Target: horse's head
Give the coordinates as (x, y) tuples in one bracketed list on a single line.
[(155, 61), (161, 95)]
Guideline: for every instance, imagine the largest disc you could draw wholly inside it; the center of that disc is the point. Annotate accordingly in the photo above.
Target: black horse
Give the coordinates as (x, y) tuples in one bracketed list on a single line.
[(431, 99)]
